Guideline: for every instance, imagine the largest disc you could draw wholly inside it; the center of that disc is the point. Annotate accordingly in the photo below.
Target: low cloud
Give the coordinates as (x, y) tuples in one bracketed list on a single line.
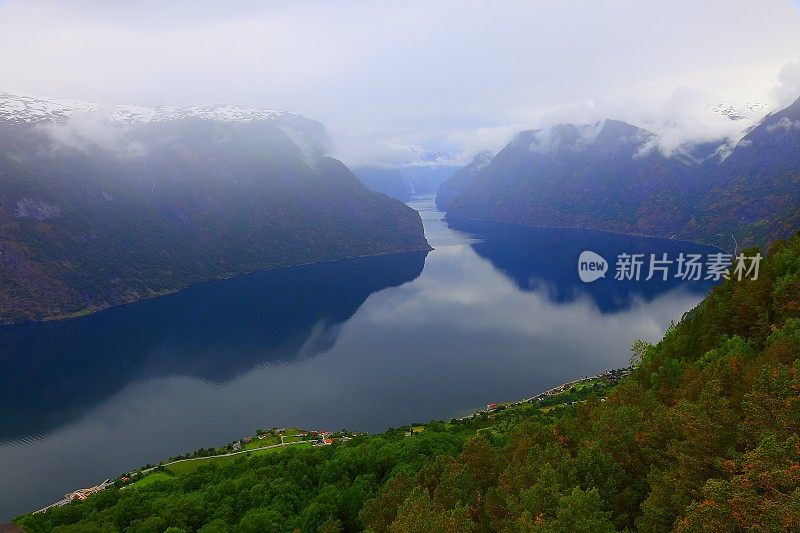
[(90, 131), (784, 124), (571, 138), (389, 79), (788, 88), (682, 119)]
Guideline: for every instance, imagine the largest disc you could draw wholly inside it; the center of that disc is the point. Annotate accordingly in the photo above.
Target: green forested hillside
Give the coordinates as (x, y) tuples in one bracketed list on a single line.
[(87, 226), (702, 436)]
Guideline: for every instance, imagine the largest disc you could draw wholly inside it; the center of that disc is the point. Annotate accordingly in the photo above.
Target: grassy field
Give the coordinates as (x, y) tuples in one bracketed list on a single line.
[(260, 443), (149, 479), (186, 467)]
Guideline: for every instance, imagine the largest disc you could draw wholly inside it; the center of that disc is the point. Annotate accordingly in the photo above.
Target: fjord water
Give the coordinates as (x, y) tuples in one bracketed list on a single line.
[(494, 313)]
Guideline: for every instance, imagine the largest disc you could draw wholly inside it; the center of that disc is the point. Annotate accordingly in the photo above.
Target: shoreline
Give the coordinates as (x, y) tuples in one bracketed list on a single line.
[(583, 228), (613, 375), (170, 292)]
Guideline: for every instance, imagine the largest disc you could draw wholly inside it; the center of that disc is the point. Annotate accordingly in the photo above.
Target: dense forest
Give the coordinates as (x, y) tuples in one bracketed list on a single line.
[(702, 435)]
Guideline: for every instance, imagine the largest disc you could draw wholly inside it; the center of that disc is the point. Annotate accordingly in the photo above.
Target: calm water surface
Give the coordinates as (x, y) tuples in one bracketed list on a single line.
[(494, 313)]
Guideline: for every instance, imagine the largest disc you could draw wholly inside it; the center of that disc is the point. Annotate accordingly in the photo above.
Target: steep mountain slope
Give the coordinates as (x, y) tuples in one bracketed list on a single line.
[(754, 194), (461, 180), (606, 176), (101, 206), (610, 176)]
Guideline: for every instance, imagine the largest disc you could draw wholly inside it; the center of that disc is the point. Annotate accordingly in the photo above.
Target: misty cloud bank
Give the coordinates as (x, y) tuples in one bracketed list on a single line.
[(87, 132), (392, 81)]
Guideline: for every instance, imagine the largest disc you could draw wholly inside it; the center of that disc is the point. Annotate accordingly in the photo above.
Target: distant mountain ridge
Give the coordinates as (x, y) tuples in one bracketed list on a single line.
[(602, 176), (611, 176), (402, 181), (102, 206), (386, 180)]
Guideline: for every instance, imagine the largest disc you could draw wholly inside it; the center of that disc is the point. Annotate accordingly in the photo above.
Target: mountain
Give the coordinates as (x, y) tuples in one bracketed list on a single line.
[(607, 175), (754, 194), (460, 180), (426, 179), (611, 176), (106, 205)]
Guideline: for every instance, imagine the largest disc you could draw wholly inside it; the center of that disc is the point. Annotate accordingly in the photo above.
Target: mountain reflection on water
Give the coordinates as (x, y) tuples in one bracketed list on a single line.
[(494, 313), (545, 259)]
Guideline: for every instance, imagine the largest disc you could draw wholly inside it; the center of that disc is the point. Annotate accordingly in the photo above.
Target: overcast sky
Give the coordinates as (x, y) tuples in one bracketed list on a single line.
[(460, 76)]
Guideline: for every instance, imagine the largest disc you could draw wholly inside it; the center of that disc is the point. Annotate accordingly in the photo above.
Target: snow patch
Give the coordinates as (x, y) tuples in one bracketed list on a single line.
[(737, 111), (32, 110)]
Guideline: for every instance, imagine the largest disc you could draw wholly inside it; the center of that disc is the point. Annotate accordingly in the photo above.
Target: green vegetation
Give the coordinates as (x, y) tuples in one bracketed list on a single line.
[(185, 467), (260, 443), (84, 230), (152, 478), (701, 436)]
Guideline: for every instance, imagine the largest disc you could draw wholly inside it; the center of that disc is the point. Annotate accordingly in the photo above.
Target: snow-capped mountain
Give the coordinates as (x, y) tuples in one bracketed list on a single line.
[(191, 194), (576, 176), (33, 109), (738, 111), (85, 121)]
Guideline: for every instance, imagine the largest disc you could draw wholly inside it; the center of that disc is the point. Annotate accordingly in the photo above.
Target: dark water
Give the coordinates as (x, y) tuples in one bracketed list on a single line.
[(494, 313)]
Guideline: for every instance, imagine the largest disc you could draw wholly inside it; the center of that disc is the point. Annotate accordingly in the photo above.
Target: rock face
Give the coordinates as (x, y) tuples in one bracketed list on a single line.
[(611, 176), (101, 206)]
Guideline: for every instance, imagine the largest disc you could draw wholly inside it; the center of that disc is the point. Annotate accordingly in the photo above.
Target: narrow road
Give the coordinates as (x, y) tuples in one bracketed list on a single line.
[(147, 470)]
